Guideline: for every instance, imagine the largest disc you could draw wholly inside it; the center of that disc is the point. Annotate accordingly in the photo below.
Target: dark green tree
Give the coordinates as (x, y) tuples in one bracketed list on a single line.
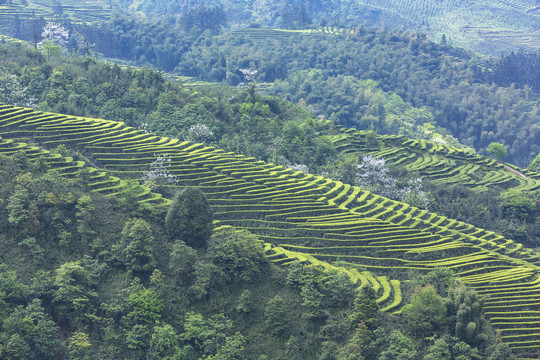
[(365, 308), (399, 347), (181, 262), (44, 338), (135, 248), (73, 293), (245, 302), (467, 310), (190, 218), (518, 205), (164, 343), (440, 350), (442, 279), (500, 350)]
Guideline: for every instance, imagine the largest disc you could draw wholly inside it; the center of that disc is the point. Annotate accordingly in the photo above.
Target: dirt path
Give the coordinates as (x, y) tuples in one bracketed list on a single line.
[(515, 172)]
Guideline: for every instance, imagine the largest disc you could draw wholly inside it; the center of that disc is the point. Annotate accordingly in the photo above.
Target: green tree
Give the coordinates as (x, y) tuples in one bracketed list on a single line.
[(182, 260), (426, 313), (497, 150), (164, 344), (79, 345), (85, 207), (237, 252), (16, 348), (231, 349), (212, 336), (518, 205), (365, 308), (73, 293), (399, 347), (138, 338), (311, 300), (439, 350), (358, 345), (51, 49), (245, 302), (442, 279), (190, 218), (467, 310), (44, 338), (136, 248), (275, 314), (208, 276), (12, 291), (500, 350), (145, 306), (17, 207)]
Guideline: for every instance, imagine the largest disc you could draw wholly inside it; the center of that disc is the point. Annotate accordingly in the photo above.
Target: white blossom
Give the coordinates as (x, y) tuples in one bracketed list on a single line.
[(55, 33), (250, 77), (159, 172), (13, 93), (199, 133), (300, 167), (374, 176)]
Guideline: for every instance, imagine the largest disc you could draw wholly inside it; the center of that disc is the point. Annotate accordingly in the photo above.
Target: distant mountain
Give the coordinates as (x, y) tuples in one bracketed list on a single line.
[(485, 26), (491, 27)]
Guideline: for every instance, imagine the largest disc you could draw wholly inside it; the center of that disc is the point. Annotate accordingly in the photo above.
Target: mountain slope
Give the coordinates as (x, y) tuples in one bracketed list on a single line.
[(309, 214)]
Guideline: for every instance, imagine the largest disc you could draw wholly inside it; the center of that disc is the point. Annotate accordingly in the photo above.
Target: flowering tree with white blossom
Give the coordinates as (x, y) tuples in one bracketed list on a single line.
[(374, 176), (13, 93), (55, 39), (200, 133), (56, 33), (159, 174)]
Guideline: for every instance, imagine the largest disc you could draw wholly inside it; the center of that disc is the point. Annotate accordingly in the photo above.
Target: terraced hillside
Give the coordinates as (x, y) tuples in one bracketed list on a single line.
[(76, 11), (504, 23), (438, 163), (308, 218), (485, 26)]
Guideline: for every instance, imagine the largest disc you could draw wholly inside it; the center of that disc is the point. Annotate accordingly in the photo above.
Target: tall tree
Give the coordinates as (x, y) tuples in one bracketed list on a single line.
[(190, 218), (136, 246)]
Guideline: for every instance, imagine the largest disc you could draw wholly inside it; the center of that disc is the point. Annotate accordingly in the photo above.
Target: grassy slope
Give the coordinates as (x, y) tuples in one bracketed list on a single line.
[(311, 215)]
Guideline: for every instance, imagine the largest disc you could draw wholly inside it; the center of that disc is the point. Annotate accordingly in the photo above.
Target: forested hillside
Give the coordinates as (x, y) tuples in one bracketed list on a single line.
[(328, 191), (237, 120)]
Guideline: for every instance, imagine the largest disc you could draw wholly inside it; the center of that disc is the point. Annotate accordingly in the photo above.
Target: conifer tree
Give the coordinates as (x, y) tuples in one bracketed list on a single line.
[(190, 218)]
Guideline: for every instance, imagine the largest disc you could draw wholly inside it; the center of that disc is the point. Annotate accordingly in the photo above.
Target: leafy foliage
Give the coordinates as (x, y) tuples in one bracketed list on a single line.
[(426, 312), (238, 252)]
